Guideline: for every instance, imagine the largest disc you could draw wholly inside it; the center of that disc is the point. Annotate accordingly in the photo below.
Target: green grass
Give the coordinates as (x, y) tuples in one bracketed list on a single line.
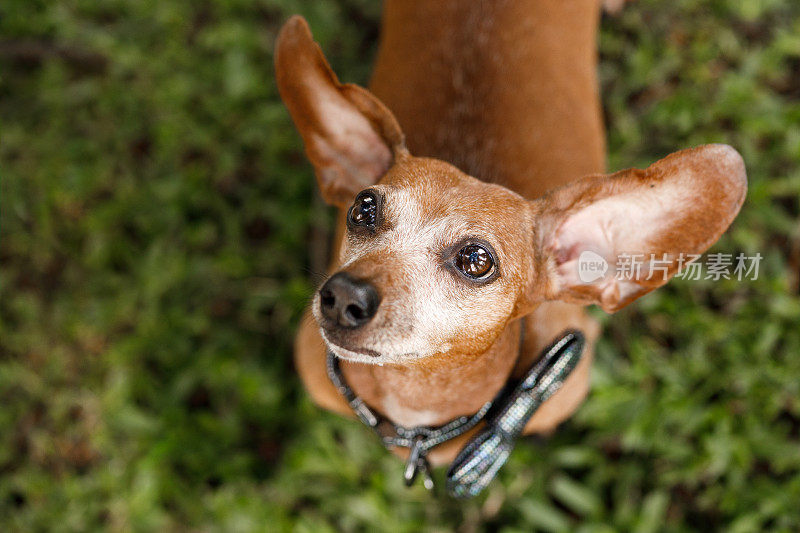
[(161, 235)]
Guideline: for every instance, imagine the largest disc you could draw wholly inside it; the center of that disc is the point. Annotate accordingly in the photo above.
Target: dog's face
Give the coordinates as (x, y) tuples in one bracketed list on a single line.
[(429, 265), (436, 262)]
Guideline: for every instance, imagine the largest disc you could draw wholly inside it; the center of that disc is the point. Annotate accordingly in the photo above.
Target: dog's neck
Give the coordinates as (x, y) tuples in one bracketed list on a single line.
[(439, 388), (507, 91)]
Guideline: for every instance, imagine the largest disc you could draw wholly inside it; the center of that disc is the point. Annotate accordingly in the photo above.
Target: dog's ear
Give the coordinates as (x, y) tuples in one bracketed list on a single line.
[(350, 137), (610, 239)]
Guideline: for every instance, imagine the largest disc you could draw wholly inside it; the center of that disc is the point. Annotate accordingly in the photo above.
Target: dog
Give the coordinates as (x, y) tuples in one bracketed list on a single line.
[(470, 182)]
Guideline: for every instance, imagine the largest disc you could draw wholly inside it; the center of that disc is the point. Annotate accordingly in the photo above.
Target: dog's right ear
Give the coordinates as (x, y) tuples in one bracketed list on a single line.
[(677, 207), (350, 137)]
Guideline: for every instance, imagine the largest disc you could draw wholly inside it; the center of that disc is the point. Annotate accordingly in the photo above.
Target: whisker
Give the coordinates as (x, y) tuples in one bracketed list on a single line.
[(315, 276)]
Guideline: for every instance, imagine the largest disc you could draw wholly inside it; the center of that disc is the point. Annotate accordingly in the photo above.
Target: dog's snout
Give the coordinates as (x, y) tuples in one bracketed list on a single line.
[(348, 302)]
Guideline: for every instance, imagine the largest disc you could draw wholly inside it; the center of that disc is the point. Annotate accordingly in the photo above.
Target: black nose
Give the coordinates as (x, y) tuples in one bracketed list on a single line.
[(348, 302)]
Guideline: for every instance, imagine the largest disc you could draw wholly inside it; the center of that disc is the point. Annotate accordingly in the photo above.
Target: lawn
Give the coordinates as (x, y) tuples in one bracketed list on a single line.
[(160, 235)]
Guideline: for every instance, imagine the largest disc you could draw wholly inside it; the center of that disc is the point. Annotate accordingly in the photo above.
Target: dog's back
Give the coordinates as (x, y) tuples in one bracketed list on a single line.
[(505, 90)]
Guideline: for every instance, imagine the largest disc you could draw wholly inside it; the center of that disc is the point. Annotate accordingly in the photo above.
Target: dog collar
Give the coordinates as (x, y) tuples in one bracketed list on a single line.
[(506, 416)]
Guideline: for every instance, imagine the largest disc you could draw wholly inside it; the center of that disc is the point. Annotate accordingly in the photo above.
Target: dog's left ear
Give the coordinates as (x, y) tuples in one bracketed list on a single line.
[(350, 137), (639, 220)]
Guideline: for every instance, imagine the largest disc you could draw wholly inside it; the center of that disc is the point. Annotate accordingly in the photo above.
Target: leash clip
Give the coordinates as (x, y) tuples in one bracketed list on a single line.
[(416, 463)]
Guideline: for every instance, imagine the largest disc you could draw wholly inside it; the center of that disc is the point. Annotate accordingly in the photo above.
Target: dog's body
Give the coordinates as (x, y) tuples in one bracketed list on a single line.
[(505, 92)]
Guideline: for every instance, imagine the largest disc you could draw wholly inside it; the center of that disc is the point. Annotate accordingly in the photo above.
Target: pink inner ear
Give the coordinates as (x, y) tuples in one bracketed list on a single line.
[(641, 221), (602, 231), (349, 143), (350, 137), (346, 150)]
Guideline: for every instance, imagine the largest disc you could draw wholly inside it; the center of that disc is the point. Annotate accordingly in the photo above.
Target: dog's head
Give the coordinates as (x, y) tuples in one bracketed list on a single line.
[(435, 261)]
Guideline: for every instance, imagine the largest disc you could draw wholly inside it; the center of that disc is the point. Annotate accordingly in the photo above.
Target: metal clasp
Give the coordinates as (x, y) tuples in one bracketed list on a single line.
[(416, 463)]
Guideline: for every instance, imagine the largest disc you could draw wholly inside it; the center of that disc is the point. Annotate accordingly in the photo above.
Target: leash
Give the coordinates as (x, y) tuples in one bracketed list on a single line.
[(506, 415), (418, 439)]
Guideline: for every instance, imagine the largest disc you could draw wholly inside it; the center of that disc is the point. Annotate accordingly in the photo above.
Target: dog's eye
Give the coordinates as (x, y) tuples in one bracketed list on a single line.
[(365, 210), (474, 261)]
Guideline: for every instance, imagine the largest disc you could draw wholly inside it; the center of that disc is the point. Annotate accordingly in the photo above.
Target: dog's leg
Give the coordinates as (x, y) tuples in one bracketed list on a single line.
[(310, 360), (541, 327)]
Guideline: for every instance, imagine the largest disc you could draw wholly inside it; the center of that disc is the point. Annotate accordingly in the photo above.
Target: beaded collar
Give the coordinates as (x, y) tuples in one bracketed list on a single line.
[(505, 417)]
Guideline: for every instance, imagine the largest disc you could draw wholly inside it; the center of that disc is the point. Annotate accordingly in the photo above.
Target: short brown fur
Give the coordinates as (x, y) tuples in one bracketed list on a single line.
[(505, 92)]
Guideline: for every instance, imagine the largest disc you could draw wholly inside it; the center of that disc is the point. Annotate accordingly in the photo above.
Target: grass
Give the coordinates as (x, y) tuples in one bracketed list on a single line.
[(161, 235)]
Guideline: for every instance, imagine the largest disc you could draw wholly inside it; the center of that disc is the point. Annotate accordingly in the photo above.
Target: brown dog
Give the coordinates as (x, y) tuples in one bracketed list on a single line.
[(442, 258)]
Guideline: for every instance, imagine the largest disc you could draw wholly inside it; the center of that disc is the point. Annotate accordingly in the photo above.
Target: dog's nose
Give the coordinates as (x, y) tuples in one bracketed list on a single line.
[(348, 302)]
